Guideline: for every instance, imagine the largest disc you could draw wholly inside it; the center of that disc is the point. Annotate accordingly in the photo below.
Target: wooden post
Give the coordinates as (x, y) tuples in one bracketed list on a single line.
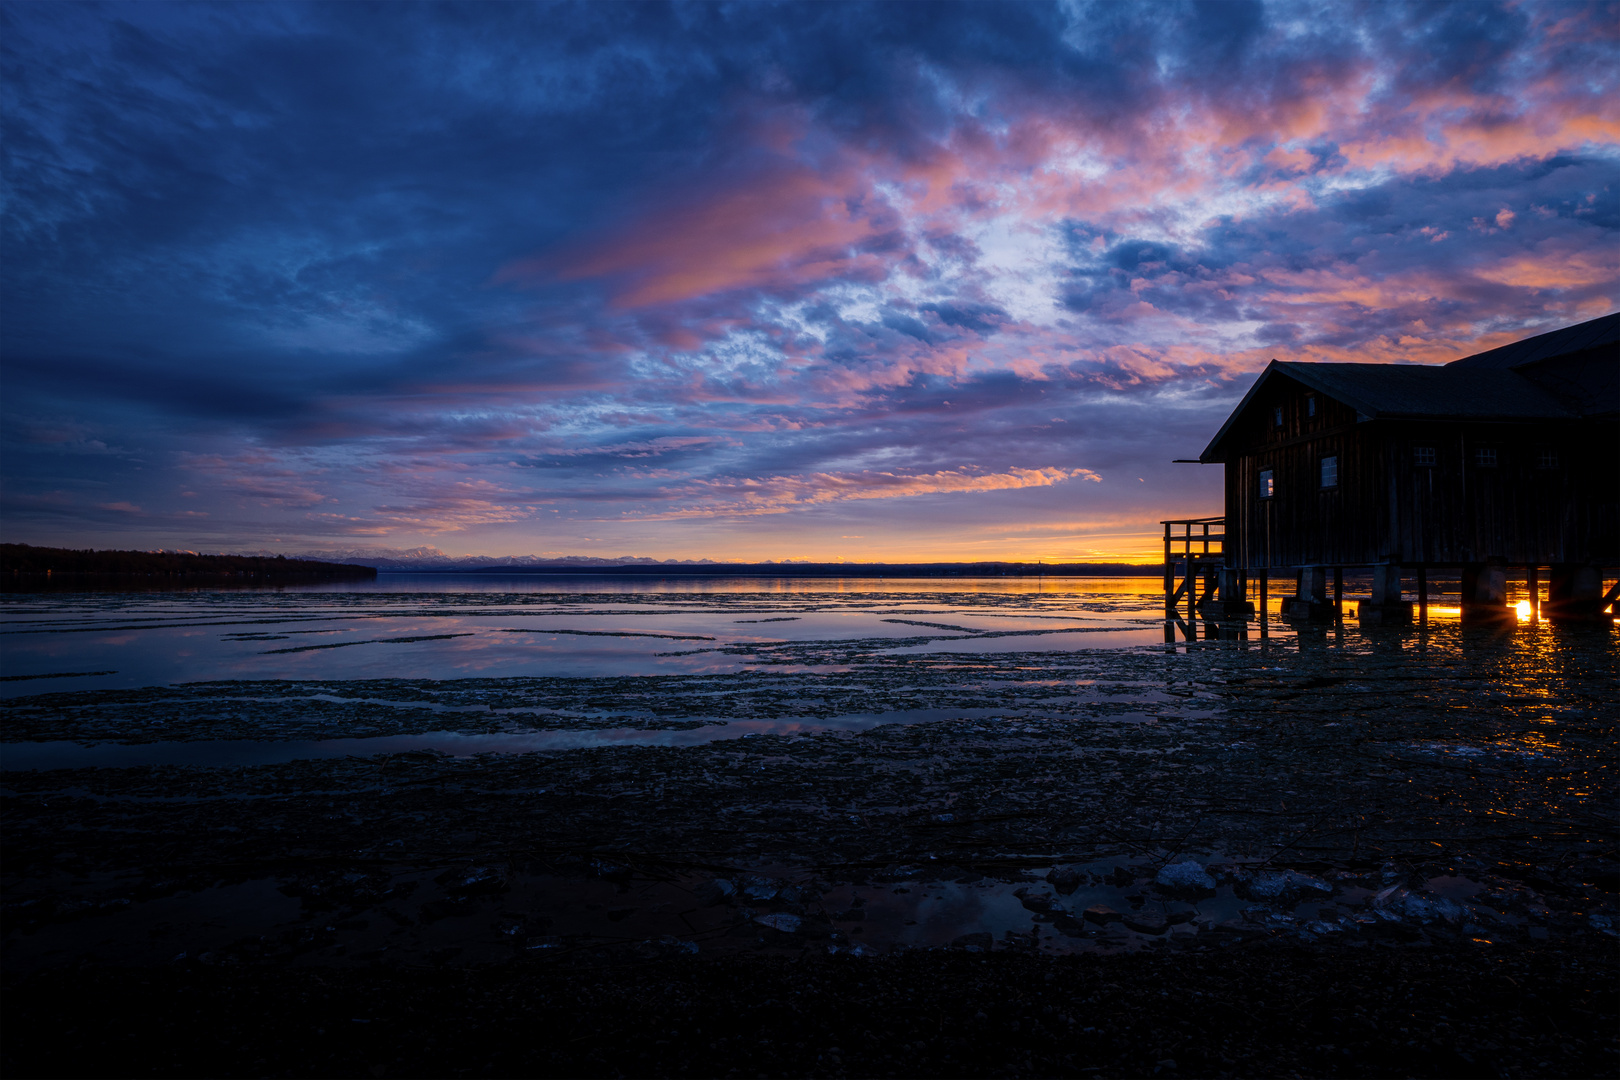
[(1574, 590), (1338, 592), (1192, 578), (1169, 572), (1423, 592), (1532, 583), (1266, 578), (1484, 590)]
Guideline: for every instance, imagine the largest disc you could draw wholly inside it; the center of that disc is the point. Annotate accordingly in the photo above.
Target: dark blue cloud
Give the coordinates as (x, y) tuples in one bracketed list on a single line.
[(293, 267)]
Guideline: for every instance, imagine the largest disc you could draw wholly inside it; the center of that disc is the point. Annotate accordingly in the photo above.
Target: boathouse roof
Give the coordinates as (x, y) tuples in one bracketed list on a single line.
[(1488, 386), (1571, 339)]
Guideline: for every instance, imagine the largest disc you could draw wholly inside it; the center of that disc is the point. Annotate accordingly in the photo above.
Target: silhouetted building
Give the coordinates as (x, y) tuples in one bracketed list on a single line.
[(1508, 458)]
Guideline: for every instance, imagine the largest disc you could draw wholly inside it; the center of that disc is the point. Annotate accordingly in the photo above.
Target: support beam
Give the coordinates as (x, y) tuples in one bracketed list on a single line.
[(1169, 572), (1265, 620), (1484, 591), (1228, 601), (1387, 607), (1575, 591), (1310, 597)]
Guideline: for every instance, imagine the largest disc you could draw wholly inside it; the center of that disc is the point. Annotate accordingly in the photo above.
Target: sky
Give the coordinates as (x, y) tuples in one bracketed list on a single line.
[(887, 282)]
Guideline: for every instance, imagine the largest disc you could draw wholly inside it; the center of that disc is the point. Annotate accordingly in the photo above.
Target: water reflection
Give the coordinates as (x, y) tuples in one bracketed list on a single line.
[(457, 626)]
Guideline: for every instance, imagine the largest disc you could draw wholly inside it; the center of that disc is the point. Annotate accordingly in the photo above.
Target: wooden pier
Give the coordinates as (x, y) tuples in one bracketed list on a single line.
[(1201, 576)]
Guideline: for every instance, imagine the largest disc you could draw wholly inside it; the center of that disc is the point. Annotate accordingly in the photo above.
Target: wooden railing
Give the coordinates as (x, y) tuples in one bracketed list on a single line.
[(1198, 533)]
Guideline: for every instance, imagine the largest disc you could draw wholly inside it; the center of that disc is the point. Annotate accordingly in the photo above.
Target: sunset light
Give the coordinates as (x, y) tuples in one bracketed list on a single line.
[(855, 538), (670, 282)]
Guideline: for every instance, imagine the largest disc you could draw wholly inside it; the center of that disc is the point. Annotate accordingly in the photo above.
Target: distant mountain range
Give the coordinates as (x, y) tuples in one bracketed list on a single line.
[(431, 558)]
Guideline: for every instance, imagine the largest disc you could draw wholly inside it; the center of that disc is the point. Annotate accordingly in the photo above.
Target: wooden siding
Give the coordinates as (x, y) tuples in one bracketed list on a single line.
[(1387, 507)]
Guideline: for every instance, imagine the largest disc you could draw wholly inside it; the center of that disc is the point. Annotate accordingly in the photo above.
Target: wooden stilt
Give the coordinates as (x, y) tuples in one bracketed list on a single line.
[(1423, 593), (1338, 592), (1169, 573), (1532, 584)]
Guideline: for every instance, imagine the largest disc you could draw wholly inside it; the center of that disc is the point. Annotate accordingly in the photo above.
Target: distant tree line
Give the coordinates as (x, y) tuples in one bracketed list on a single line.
[(26, 559)]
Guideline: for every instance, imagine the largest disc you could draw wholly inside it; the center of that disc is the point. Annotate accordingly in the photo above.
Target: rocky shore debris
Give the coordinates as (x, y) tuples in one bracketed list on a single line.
[(1278, 886), (1065, 879), (1102, 914), (1185, 877), (1399, 903)]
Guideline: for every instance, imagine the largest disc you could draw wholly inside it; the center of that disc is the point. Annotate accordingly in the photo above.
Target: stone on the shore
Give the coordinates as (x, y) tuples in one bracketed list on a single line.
[(1065, 879), (1186, 876), (1281, 886), (1147, 922), (1399, 903)]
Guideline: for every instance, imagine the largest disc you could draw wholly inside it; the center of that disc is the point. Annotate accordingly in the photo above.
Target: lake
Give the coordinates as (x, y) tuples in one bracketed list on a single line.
[(477, 767)]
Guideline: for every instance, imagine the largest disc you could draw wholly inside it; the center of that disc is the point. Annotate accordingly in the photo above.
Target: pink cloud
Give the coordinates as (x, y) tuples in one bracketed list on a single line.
[(730, 496)]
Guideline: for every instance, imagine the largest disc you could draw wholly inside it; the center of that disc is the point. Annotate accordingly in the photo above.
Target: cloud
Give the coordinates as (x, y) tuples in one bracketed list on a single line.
[(778, 494), (337, 270)]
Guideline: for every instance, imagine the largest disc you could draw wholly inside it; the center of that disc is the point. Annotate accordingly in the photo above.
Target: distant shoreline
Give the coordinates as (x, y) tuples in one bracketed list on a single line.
[(807, 570), (25, 564)]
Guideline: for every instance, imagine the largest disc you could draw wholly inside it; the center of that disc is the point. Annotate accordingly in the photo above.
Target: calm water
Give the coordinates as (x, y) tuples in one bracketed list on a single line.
[(288, 648), (454, 626)]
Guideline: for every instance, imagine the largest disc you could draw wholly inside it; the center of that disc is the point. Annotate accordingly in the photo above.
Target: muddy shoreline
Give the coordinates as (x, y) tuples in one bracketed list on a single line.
[(1226, 855)]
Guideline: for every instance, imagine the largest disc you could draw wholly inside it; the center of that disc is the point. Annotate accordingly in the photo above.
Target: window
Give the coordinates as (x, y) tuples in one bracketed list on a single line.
[(1423, 457), (1276, 416), (1330, 472), (1310, 404), (1267, 487), (1547, 459), (1485, 458)]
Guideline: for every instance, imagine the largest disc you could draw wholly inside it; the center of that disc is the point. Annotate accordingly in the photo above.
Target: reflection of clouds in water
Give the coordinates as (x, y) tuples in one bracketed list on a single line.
[(151, 639), (618, 626)]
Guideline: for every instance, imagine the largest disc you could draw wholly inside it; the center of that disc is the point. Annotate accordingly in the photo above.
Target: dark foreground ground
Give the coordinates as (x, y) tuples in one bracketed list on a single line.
[(1262, 1010), (1411, 847)]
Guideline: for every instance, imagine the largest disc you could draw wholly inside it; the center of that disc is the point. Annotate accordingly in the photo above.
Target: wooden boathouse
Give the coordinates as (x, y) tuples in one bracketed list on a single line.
[(1507, 460)]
